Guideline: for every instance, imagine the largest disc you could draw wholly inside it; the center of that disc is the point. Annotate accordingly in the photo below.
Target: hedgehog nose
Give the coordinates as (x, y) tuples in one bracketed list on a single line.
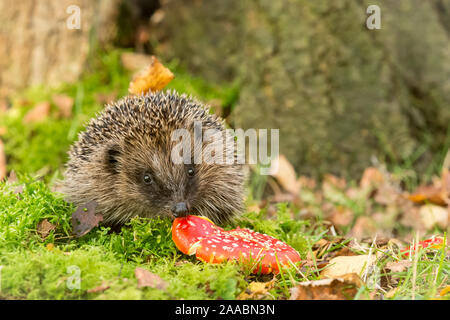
[(180, 209)]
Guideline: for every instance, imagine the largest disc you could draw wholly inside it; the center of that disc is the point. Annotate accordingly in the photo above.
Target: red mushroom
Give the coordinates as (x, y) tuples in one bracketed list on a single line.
[(210, 243), (434, 242)]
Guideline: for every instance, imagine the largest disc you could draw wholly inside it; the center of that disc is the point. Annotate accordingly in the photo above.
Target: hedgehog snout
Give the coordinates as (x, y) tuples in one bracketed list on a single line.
[(180, 209)]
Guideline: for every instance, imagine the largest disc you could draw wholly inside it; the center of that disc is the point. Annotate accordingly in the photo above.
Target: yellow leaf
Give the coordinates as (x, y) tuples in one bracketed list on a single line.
[(154, 78), (445, 291)]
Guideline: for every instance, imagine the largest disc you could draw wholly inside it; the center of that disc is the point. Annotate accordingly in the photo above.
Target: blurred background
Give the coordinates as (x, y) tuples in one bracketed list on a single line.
[(344, 97)]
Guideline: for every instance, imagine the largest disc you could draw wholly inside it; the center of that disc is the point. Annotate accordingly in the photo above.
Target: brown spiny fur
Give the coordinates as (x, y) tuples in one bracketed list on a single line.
[(132, 137)]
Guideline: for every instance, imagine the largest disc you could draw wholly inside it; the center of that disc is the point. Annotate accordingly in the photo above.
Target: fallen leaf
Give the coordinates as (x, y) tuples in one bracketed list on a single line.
[(343, 252), (283, 171), (343, 288), (84, 219), (335, 181), (445, 291), (371, 178), (432, 215), (12, 178), (256, 290), (341, 265), (387, 194), (446, 178), (390, 277), (398, 266), (323, 250), (64, 103), (306, 182), (2, 161), (44, 228), (391, 293), (39, 113), (102, 287), (429, 193), (411, 218), (341, 216), (147, 279), (153, 78)]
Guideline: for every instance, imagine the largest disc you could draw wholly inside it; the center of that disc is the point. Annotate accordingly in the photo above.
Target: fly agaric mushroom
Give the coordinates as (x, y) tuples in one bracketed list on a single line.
[(210, 243), (434, 242)]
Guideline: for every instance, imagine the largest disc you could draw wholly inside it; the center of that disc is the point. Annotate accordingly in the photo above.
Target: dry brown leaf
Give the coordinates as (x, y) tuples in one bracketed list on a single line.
[(342, 265), (341, 216), (339, 183), (307, 182), (445, 291), (44, 228), (39, 113), (446, 180), (432, 215), (343, 288), (147, 279), (411, 218), (253, 208), (2, 161), (391, 293), (153, 78), (389, 278), (398, 266), (256, 290), (321, 250), (386, 194), (283, 171), (371, 178), (64, 103), (430, 193), (12, 178), (102, 287), (84, 219)]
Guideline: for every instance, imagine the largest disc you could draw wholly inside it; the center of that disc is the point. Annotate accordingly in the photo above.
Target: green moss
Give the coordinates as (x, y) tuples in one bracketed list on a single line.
[(33, 270)]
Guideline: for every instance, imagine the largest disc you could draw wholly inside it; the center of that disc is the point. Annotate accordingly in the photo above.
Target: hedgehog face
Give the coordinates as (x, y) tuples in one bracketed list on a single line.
[(124, 162), (147, 180), (145, 176)]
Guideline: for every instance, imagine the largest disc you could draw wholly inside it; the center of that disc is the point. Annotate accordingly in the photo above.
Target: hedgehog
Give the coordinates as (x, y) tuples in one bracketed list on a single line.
[(124, 161)]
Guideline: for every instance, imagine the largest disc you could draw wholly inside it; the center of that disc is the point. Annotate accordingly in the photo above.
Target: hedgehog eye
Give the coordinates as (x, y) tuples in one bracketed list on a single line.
[(147, 179), (190, 172)]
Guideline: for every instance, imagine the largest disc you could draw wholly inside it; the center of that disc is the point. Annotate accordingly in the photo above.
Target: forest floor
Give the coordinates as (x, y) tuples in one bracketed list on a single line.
[(340, 228)]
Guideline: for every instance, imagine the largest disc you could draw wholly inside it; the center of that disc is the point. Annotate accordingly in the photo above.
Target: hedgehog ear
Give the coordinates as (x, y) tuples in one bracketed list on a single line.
[(112, 158)]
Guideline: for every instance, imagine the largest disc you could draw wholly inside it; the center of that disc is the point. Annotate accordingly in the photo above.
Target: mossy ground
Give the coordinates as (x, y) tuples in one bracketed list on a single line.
[(32, 267), (37, 268)]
